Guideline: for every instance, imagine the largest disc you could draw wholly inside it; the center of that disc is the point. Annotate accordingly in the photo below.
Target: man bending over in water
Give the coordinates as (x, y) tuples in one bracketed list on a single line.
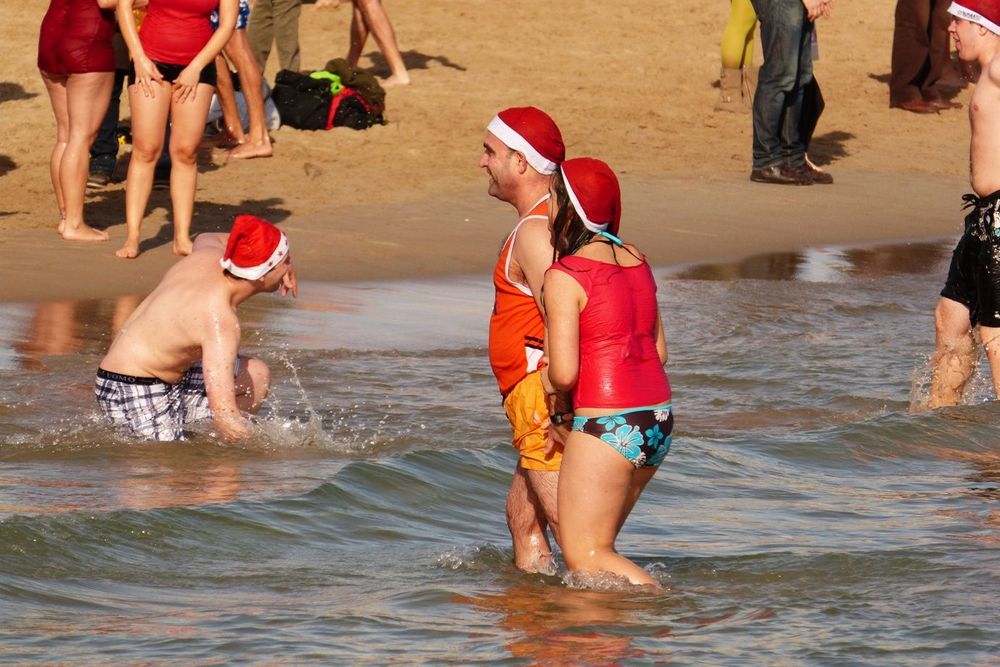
[(175, 359), (971, 295)]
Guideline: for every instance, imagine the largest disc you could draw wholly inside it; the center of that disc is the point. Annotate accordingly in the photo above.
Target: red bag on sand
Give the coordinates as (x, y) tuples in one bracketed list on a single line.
[(349, 109)]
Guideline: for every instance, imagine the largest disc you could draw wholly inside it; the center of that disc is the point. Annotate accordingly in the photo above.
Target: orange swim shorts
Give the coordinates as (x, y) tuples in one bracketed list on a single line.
[(526, 409)]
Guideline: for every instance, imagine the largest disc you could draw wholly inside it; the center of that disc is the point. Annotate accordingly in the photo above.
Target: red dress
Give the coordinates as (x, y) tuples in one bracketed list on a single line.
[(76, 38)]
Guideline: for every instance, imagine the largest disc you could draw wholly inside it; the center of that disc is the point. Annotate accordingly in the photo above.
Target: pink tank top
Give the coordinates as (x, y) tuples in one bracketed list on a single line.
[(619, 365)]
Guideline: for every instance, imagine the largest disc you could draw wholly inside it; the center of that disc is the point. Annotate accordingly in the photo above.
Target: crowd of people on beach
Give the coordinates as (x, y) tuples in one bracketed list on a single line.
[(576, 340), (175, 57)]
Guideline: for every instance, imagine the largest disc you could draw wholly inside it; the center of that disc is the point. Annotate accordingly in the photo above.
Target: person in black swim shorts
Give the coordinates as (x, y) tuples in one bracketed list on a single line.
[(970, 301)]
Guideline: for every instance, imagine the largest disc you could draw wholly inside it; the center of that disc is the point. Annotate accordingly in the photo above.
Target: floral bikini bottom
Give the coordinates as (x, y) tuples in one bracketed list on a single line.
[(641, 435)]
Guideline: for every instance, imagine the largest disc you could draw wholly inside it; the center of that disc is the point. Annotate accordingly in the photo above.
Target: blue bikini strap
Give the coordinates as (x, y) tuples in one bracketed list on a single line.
[(611, 237)]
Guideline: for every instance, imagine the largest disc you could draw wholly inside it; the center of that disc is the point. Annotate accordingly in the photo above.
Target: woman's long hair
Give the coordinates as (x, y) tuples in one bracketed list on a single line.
[(568, 232)]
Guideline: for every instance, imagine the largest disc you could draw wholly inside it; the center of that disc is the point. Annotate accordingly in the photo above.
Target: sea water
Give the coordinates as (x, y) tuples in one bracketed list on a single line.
[(811, 510)]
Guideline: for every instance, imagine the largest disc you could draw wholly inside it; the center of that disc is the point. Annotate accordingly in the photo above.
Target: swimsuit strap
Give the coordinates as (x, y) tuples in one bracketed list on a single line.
[(611, 237)]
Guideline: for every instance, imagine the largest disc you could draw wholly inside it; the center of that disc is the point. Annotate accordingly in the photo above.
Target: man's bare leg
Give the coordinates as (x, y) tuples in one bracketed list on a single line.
[(954, 353), (991, 343), (371, 14), (257, 143), (531, 508), (226, 93)]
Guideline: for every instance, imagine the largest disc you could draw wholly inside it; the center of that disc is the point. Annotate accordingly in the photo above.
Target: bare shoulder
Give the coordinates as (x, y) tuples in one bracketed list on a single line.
[(638, 254), (535, 233), (214, 241)]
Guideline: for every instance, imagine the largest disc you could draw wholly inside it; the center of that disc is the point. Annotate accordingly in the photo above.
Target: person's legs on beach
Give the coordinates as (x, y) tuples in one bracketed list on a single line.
[(778, 154), (954, 354), (104, 150), (79, 102), (55, 85), (597, 489), (187, 124), (369, 17), (256, 143), (260, 31), (735, 88), (232, 133), (286, 32), (149, 123)]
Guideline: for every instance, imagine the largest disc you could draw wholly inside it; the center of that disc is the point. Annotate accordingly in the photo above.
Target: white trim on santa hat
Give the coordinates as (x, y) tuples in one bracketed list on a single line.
[(259, 271), (592, 226), (515, 141), (969, 15)]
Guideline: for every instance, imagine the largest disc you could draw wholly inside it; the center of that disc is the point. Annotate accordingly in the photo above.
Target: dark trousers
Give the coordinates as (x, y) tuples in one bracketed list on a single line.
[(786, 40), (919, 49), (104, 150)]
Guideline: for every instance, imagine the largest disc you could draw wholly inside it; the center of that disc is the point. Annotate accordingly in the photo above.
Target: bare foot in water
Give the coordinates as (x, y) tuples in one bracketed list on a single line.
[(396, 80), (183, 247), (249, 150), (128, 251), (82, 233)]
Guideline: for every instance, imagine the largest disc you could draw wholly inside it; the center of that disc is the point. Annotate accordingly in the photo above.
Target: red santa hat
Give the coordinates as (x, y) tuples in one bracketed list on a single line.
[(982, 12), (255, 247), (532, 132), (594, 191)]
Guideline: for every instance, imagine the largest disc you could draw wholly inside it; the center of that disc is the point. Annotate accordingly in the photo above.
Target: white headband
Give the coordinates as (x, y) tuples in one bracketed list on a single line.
[(516, 142), (592, 226), (259, 271)]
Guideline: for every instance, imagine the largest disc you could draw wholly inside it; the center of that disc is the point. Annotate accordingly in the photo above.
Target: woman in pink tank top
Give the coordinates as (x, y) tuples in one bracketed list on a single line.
[(172, 81), (607, 348)]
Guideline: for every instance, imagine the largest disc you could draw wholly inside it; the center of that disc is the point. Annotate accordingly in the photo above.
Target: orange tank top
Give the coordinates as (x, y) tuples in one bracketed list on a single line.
[(517, 330)]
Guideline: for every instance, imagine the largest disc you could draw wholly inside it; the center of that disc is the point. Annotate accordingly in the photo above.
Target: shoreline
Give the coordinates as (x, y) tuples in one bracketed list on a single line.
[(674, 220)]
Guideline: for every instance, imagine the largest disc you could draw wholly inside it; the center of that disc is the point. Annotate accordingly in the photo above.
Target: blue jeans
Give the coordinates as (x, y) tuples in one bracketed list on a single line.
[(786, 40)]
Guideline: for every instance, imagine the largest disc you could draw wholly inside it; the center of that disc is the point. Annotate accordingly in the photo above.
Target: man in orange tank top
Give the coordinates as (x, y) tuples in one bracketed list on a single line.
[(522, 150)]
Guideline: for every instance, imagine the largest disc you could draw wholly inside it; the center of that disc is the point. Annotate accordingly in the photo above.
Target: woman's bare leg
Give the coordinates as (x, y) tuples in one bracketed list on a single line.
[(187, 125), (597, 489), (149, 124), (87, 97), (56, 88)]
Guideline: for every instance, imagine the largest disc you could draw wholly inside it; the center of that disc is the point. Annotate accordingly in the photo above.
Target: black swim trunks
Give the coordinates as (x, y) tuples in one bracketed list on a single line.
[(170, 72), (974, 274)]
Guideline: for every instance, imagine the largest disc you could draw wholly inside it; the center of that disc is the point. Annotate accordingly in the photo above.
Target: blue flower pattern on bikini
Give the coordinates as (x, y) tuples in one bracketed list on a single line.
[(654, 436), (626, 439), (610, 422)]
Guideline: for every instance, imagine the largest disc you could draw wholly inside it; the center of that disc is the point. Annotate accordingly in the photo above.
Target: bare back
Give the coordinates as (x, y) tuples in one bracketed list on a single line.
[(191, 307), (984, 117)]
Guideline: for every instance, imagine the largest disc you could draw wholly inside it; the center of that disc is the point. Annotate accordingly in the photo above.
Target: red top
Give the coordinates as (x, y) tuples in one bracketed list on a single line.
[(75, 38), (517, 331), (619, 364), (174, 31)]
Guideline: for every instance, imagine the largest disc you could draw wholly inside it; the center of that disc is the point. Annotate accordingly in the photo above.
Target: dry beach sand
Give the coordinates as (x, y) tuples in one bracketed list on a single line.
[(632, 82)]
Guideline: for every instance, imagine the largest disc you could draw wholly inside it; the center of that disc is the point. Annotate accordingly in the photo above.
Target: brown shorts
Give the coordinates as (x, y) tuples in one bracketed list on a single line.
[(527, 412)]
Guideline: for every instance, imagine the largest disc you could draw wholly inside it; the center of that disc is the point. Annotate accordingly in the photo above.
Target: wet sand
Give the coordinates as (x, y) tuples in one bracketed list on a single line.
[(407, 199)]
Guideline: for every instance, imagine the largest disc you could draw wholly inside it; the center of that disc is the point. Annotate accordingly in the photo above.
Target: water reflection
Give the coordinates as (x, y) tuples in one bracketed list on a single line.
[(553, 625), (70, 327), (830, 264)]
